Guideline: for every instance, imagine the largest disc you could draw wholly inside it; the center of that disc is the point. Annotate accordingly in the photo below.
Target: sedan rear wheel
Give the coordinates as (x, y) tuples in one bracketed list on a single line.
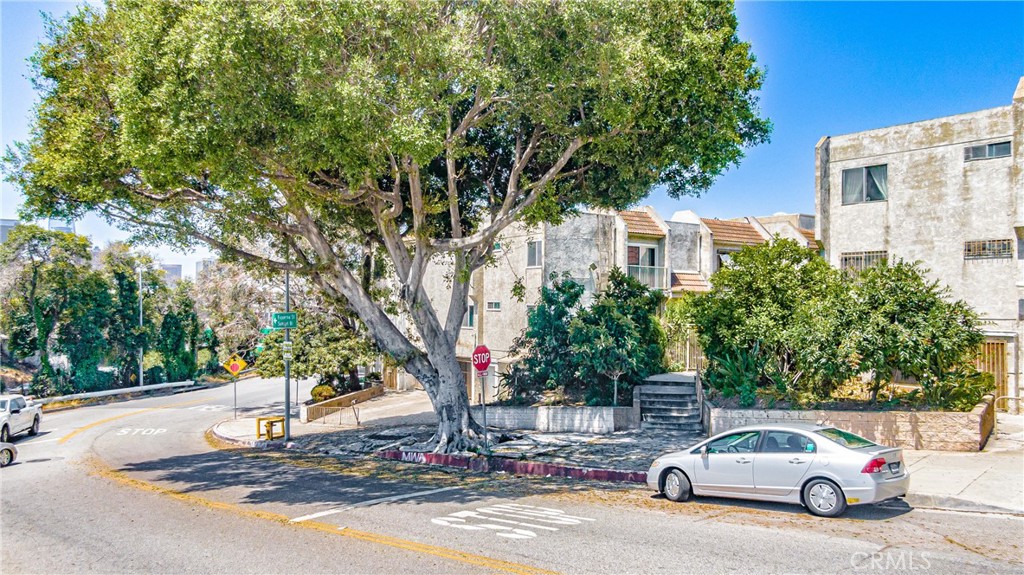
[(824, 498), (677, 486), (6, 456)]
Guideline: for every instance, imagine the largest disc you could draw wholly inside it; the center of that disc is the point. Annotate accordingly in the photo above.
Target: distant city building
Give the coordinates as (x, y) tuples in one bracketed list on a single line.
[(204, 264), (60, 226), (172, 273), (5, 228)]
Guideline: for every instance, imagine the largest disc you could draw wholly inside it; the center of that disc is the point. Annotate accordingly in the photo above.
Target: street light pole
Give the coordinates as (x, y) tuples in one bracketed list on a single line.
[(140, 327), (2, 386), (287, 355)]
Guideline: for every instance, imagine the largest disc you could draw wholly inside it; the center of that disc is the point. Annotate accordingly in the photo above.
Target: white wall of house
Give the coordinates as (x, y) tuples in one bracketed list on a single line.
[(937, 203)]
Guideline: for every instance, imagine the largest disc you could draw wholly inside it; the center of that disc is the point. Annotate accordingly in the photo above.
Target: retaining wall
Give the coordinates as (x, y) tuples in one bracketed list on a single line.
[(931, 430), (560, 419)]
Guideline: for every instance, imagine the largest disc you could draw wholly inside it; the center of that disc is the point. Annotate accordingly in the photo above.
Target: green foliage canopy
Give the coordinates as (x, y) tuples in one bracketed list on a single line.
[(419, 128)]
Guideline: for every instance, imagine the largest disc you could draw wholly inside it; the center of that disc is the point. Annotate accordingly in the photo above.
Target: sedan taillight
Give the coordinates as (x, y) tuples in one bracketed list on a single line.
[(876, 465)]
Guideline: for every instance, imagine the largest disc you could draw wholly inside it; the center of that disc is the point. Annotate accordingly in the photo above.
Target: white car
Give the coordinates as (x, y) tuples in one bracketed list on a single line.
[(823, 468), (8, 453), (18, 415)]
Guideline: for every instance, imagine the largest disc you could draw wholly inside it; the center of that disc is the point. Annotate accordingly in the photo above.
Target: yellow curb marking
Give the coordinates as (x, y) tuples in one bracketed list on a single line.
[(120, 477), (123, 415)]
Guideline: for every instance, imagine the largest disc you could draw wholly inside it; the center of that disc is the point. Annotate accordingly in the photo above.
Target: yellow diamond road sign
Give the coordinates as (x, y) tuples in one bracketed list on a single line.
[(235, 364)]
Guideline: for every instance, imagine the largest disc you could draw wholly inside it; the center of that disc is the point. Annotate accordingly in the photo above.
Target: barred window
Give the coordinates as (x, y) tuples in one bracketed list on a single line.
[(988, 249), (860, 261)]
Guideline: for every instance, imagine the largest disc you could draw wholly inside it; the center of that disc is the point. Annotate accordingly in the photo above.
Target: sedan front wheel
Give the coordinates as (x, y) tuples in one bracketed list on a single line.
[(824, 498), (677, 486)]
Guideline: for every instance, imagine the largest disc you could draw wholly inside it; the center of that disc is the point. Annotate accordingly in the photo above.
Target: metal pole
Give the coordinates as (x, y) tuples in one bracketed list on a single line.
[(287, 362), (140, 327)]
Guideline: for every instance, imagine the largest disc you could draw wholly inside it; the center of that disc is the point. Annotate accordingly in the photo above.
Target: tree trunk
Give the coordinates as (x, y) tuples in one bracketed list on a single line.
[(456, 429)]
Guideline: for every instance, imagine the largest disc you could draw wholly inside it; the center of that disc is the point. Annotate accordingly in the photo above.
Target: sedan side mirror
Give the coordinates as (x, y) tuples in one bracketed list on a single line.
[(703, 450)]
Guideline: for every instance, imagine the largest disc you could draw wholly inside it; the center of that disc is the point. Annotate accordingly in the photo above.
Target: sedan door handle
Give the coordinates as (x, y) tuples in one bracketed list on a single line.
[(743, 460), (796, 460)]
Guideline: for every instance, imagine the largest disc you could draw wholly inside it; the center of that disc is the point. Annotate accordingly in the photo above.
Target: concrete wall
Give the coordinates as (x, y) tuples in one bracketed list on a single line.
[(931, 430), (936, 202), (683, 246), (560, 419)]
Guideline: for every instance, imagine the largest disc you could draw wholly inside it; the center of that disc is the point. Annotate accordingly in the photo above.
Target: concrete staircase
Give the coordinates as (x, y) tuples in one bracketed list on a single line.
[(670, 402)]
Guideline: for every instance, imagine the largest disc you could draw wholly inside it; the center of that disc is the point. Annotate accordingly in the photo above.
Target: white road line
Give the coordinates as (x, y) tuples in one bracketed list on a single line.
[(38, 442), (371, 502)]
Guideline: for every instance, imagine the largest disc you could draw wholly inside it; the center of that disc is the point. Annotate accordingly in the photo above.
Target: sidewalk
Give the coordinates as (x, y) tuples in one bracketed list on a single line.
[(988, 481)]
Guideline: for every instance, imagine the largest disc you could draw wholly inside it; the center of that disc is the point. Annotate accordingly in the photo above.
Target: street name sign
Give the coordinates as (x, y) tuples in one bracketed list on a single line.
[(286, 320)]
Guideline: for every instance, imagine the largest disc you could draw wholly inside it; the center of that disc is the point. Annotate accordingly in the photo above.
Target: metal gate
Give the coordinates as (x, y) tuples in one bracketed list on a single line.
[(992, 358)]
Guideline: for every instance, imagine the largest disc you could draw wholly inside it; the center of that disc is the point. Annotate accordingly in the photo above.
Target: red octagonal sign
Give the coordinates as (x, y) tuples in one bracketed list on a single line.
[(481, 358)]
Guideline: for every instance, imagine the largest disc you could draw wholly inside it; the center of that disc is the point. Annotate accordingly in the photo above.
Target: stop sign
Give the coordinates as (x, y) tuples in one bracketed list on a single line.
[(481, 358)]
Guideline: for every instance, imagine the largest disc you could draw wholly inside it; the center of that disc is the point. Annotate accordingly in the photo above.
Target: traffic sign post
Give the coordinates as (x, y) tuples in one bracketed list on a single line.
[(481, 361), (235, 365)]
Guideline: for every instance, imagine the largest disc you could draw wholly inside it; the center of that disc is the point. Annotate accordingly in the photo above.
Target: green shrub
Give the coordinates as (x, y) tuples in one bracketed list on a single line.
[(958, 390), (323, 393)]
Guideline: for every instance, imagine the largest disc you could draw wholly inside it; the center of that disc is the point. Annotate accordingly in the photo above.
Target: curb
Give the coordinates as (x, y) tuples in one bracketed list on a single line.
[(946, 503), (254, 443), (515, 466)]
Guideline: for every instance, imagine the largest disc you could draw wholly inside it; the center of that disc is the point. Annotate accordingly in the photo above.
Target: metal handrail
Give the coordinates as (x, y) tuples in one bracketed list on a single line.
[(995, 402)]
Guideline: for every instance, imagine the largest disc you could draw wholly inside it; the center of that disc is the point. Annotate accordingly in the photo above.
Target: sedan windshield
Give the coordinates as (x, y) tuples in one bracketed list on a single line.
[(845, 438)]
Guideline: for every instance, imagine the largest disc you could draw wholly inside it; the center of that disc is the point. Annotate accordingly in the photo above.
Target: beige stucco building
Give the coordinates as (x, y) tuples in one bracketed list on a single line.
[(948, 192), (674, 255)]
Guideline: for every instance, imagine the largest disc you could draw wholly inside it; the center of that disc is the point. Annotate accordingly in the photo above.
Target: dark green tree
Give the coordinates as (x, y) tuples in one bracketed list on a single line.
[(545, 363), (81, 333), (125, 336), (906, 324), (784, 301), (49, 268), (422, 129)]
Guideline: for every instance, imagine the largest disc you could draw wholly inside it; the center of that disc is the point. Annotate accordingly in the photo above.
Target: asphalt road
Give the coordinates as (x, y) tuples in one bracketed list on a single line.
[(136, 487)]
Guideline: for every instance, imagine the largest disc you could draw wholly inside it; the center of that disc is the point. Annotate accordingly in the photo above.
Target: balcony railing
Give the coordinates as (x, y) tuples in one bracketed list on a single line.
[(652, 277)]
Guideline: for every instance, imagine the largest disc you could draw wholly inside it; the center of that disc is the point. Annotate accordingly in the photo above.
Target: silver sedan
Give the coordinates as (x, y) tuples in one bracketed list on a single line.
[(822, 468)]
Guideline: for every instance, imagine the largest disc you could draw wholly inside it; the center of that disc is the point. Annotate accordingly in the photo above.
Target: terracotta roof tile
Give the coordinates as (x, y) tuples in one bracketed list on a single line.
[(641, 224), (809, 234), (726, 232), (689, 281)]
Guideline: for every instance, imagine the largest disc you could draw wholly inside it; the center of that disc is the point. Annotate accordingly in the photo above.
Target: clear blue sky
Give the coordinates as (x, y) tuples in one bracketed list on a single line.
[(832, 68)]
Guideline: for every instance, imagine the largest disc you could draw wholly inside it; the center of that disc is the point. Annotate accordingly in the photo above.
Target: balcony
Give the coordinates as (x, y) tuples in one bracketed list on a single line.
[(650, 276)]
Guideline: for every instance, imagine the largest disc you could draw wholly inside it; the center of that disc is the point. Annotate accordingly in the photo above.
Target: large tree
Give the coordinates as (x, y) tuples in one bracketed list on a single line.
[(45, 285), (417, 128)]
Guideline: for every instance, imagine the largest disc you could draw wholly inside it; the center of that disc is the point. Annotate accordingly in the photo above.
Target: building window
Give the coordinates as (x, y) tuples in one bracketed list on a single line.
[(986, 151), (529, 310), (494, 306), (533, 254), (988, 249), (868, 184), (860, 261), (470, 317)]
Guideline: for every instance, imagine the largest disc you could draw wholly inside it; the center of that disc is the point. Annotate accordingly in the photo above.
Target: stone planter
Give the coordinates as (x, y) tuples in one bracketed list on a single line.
[(560, 419), (931, 430)]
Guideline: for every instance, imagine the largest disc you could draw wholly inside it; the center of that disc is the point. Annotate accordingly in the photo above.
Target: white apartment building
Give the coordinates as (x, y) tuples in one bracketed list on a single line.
[(948, 192), (674, 255)]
